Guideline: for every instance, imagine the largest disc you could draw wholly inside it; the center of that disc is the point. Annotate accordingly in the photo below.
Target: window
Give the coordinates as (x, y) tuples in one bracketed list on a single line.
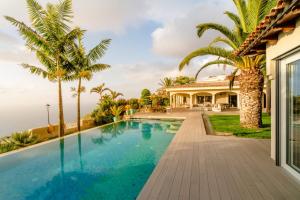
[(293, 115)]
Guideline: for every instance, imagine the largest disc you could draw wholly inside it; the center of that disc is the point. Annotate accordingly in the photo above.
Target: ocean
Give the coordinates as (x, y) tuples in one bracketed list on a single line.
[(23, 117)]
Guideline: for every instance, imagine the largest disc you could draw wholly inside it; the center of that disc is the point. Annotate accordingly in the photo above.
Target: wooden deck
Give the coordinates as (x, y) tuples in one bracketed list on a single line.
[(198, 166)]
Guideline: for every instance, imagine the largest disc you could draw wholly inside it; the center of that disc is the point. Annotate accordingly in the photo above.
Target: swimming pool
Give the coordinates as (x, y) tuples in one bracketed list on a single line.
[(109, 162)]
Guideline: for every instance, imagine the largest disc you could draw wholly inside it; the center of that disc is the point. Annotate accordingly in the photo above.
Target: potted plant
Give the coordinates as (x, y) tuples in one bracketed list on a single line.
[(116, 112)]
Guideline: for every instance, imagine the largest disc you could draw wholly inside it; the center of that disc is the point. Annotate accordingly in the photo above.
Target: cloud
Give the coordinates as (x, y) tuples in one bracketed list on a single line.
[(178, 37), (109, 15), (17, 54), (7, 39)]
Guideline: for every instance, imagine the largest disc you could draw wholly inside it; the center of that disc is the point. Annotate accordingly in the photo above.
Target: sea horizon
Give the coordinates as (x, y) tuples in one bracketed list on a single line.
[(34, 116)]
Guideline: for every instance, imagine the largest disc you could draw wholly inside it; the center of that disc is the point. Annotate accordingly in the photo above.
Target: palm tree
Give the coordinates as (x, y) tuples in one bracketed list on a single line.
[(250, 13), (50, 37), (100, 90), (114, 95), (166, 82), (85, 66)]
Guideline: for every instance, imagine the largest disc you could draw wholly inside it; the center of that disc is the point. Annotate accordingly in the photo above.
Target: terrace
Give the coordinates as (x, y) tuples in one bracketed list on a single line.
[(201, 166)]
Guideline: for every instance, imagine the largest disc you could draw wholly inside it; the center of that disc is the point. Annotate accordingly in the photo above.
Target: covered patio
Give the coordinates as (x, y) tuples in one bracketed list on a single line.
[(207, 95), (204, 99)]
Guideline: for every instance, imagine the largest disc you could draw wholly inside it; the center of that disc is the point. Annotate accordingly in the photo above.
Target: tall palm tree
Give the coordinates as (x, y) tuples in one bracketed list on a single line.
[(114, 95), (49, 36), (100, 90), (85, 66), (250, 13), (166, 82)]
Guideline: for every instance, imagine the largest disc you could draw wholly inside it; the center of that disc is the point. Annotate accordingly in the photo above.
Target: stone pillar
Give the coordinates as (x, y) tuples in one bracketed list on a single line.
[(180, 100), (174, 100), (191, 101), (171, 100), (213, 101)]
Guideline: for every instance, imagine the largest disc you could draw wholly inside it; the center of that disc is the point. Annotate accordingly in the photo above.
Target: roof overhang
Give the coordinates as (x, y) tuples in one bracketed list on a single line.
[(282, 19)]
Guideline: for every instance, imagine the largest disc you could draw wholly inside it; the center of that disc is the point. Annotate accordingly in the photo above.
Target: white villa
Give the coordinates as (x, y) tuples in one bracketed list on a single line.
[(278, 36), (212, 93)]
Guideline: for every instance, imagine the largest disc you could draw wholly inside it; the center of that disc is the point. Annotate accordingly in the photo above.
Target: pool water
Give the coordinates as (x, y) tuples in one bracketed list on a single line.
[(110, 162)]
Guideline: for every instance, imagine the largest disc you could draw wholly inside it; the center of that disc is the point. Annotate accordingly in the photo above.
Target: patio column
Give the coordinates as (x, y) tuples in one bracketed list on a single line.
[(191, 101), (174, 99), (171, 100), (213, 101)]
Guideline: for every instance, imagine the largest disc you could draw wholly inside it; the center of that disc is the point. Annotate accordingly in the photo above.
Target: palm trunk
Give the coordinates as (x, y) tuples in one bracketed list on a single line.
[(251, 88), (78, 104), (268, 96), (61, 111)]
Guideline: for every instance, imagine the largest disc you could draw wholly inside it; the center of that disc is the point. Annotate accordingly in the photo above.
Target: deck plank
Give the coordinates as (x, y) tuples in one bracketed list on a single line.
[(200, 166)]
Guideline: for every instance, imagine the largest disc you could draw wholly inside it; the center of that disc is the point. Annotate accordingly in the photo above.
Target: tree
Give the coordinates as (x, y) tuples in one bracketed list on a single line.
[(146, 97), (250, 13), (85, 66), (114, 95), (100, 90), (183, 80), (50, 37), (166, 82)]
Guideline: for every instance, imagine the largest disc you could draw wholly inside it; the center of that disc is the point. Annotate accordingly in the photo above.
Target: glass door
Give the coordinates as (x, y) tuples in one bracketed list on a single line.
[(293, 115), (233, 101)]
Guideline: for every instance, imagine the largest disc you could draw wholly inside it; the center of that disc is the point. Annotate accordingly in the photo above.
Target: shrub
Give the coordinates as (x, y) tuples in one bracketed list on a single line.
[(101, 117), (166, 102), (102, 113), (160, 101), (121, 102), (23, 139), (117, 110), (6, 146), (134, 103)]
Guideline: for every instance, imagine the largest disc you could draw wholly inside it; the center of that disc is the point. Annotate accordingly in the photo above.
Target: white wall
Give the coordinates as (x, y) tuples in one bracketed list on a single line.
[(286, 42)]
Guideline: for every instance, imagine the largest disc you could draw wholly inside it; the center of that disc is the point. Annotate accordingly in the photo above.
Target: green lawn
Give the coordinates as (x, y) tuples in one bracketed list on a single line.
[(231, 124)]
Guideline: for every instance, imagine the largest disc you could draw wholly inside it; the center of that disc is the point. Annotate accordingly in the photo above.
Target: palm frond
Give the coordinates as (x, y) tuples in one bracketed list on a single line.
[(72, 35), (37, 15), (65, 10), (166, 82), (215, 62), (235, 18), (242, 12), (232, 78), (98, 67), (35, 70), (225, 41), (98, 51), (218, 27), (216, 51), (31, 37), (45, 59), (70, 77)]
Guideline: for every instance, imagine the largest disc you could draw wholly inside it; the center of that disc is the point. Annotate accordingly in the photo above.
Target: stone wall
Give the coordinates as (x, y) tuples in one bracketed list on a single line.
[(43, 133), (222, 98)]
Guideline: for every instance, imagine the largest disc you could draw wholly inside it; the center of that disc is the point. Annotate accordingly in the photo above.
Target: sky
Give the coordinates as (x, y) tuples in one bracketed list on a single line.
[(149, 39)]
